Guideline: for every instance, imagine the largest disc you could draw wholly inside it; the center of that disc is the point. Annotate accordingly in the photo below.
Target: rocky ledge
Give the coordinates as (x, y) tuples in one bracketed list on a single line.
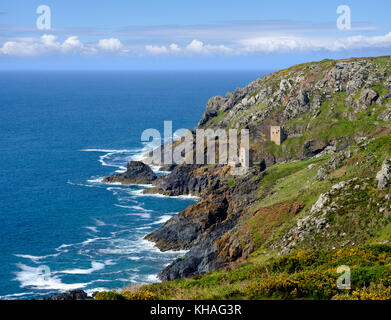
[(137, 173)]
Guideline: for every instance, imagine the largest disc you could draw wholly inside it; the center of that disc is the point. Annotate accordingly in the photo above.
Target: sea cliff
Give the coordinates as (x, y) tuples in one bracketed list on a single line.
[(326, 187)]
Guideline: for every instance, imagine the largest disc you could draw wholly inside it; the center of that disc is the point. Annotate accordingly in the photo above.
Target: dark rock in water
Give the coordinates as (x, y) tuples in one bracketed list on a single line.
[(313, 147), (137, 173), (70, 295)]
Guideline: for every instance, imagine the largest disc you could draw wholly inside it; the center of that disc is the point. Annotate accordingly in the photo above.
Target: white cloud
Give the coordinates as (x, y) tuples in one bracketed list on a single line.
[(294, 44), (111, 44), (49, 44), (156, 49), (194, 47), (197, 46), (72, 44), (174, 47), (37, 46)]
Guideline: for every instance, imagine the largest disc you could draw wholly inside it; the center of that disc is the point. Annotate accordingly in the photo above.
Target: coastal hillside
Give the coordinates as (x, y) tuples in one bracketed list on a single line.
[(318, 199)]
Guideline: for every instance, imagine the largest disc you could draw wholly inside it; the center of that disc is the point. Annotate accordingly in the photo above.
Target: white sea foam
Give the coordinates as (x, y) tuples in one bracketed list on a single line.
[(106, 150), (152, 278), (162, 219), (99, 223), (32, 277), (99, 289), (134, 258), (143, 228), (139, 208), (139, 193), (92, 228), (36, 259), (121, 169), (79, 184), (95, 266), (144, 215), (96, 180), (13, 296)]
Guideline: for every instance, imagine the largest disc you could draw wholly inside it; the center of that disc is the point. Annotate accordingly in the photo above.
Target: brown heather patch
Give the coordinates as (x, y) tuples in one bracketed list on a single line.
[(265, 221), (338, 173), (354, 160), (380, 131)]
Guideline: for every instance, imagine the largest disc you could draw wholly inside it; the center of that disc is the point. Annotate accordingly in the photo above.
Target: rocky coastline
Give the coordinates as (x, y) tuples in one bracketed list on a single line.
[(208, 229), (326, 185)]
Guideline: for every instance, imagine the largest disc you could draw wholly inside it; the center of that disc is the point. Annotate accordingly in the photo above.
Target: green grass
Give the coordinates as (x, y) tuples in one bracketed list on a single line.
[(306, 274)]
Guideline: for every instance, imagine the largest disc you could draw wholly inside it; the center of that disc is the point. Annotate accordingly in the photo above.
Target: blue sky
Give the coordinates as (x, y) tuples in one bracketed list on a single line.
[(188, 34)]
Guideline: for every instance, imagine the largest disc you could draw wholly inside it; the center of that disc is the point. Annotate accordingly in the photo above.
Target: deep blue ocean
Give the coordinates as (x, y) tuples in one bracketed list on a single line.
[(60, 133)]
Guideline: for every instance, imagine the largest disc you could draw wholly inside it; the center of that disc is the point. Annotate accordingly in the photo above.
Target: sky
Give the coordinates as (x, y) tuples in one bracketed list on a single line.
[(188, 34)]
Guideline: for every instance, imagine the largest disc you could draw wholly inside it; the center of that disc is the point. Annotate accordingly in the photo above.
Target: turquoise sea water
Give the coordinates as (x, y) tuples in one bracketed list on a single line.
[(60, 133)]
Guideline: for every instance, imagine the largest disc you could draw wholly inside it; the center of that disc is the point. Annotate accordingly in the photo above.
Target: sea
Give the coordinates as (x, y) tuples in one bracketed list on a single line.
[(61, 132)]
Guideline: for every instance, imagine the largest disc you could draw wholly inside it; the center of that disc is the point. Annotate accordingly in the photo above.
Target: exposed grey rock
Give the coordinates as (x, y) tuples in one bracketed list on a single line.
[(297, 106), (386, 115), (327, 150), (384, 175), (285, 85), (319, 204), (367, 98)]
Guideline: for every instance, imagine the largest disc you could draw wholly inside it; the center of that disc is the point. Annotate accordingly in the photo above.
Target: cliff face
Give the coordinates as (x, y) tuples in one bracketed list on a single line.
[(199, 227), (319, 188)]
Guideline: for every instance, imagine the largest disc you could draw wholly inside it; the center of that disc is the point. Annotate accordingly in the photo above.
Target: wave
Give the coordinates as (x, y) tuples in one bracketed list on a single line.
[(139, 193), (80, 184), (141, 215), (37, 259), (92, 228), (13, 296), (95, 266), (33, 278), (152, 278), (96, 180), (162, 219)]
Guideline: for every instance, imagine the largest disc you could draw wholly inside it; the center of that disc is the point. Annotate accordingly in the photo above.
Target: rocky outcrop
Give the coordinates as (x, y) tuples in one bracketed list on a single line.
[(334, 163), (137, 173), (384, 175), (70, 295), (341, 216), (367, 98)]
